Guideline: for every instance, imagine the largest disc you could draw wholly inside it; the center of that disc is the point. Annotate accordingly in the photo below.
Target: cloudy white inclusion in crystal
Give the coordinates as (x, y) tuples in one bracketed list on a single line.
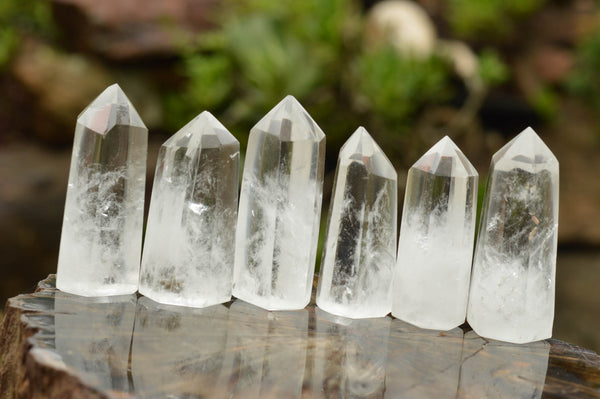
[(280, 208), (435, 249), (512, 288), (188, 252), (101, 238), (360, 247)]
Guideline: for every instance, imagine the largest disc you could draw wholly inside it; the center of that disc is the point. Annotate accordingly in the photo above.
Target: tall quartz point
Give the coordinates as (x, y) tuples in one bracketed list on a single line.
[(280, 208), (435, 249), (360, 247), (512, 288), (101, 240), (188, 252)]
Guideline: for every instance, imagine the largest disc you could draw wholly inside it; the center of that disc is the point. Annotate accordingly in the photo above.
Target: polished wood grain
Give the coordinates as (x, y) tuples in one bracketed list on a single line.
[(59, 345)]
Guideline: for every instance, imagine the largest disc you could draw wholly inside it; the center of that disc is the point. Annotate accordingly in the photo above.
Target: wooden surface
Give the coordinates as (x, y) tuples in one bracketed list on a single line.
[(57, 345)]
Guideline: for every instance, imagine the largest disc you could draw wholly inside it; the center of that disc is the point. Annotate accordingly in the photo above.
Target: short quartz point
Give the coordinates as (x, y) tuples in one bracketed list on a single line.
[(512, 287), (431, 282), (360, 247), (280, 207), (188, 251), (101, 237)]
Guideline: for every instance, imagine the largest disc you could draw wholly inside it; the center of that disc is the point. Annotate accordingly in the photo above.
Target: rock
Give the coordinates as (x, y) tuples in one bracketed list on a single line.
[(131, 29), (32, 195), (552, 64), (63, 84)]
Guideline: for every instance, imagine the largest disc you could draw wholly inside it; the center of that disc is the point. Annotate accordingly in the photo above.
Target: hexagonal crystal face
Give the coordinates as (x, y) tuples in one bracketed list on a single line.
[(512, 289), (280, 207), (431, 283), (360, 246), (102, 227), (188, 252)]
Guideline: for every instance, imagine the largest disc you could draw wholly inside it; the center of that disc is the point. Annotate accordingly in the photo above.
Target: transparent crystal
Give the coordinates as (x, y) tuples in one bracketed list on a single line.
[(280, 208), (512, 287), (360, 246), (188, 251), (101, 238), (435, 249)]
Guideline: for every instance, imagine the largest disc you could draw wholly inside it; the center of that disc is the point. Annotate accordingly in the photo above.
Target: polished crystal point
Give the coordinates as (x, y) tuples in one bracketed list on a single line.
[(101, 238), (188, 251), (431, 283), (512, 288), (360, 246), (280, 208)]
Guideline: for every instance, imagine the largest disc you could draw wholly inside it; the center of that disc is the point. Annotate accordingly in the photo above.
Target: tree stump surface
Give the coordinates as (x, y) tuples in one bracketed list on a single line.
[(57, 345)]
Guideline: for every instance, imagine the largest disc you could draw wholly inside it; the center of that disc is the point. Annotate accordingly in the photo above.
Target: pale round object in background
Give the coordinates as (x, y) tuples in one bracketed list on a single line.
[(403, 24)]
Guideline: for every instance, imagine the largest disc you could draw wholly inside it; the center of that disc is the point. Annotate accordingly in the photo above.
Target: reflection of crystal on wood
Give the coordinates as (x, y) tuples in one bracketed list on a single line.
[(430, 364), (239, 350), (358, 349), (280, 207), (435, 248), (101, 238), (258, 339), (188, 252), (93, 337), (512, 288), (360, 247), (186, 349)]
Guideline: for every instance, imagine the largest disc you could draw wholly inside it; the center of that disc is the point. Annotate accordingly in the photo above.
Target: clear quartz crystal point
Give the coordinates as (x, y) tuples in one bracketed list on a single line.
[(280, 208), (101, 238), (435, 249), (360, 246), (188, 252), (512, 288)]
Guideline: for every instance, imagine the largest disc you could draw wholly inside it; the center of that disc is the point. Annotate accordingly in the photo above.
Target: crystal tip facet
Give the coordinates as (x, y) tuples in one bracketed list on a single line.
[(445, 159), (290, 121), (110, 108), (203, 131), (361, 147), (527, 148), (360, 143)]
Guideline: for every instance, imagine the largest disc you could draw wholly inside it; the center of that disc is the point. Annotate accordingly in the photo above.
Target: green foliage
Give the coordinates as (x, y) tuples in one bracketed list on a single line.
[(265, 51), (8, 43), (396, 87), (18, 18), (488, 19), (491, 68), (481, 191), (545, 102), (311, 49), (585, 78)]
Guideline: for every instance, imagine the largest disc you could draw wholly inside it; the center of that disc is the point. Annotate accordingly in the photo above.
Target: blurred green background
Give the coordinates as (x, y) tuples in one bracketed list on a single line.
[(411, 72)]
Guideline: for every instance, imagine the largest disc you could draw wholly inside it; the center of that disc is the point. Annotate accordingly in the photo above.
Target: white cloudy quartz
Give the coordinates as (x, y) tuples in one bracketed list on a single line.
[(188, 252), (512, 288), (431, 282), (101, 237), (280, 208), (359, 251)]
